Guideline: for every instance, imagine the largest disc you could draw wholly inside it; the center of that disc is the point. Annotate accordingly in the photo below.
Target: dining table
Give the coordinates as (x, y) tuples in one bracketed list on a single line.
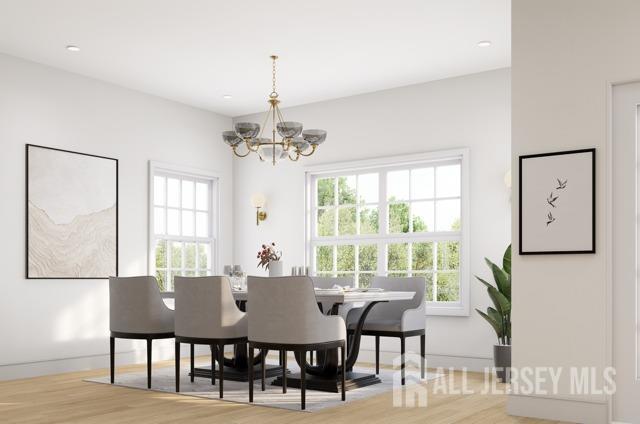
[(324, 373)]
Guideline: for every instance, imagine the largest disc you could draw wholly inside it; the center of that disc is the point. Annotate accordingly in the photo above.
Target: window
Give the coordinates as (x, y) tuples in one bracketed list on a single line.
[(182, 224), (396, 217)]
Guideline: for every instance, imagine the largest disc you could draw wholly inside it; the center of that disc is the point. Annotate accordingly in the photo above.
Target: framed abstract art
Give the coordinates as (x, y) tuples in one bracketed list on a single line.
[(71, 214)]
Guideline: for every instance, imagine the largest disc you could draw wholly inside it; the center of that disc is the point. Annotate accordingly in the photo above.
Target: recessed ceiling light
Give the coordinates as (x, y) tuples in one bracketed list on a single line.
[(227, 96), (73, 48), (484, 43)]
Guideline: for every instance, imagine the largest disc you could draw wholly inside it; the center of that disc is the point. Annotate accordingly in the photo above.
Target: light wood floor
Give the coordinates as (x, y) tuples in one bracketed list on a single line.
[(65, 398)]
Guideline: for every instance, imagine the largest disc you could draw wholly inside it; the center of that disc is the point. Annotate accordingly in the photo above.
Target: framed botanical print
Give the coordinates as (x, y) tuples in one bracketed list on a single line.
[(558, 202)]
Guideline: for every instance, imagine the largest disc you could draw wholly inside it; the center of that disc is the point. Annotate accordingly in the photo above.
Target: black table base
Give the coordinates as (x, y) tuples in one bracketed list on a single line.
[(235, 374), (353, 380)]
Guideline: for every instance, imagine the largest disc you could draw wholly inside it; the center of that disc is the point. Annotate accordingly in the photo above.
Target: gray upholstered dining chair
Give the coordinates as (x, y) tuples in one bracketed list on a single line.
[(283, 315), (137, 311), (399, 319), (206, 313), (328, 283)]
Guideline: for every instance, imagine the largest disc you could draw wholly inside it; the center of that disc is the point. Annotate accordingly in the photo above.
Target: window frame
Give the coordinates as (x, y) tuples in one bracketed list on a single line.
[(384, 165), (180, 172)]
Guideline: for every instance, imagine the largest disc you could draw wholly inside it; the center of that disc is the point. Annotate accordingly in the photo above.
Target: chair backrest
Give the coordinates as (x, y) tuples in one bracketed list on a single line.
[(283, 310), (136, 306), (205, 309), (329, 282), (394, 310)]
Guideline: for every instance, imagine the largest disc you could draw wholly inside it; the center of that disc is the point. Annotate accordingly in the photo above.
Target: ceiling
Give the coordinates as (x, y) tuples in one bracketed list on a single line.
[(197, 51)]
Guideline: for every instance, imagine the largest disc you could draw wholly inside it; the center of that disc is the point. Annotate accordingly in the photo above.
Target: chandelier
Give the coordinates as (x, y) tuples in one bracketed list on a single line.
[(247, 137)]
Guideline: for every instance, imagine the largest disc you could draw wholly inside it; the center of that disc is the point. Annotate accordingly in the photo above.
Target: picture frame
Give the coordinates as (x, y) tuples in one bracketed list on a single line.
[(557, 203), (71, 214)]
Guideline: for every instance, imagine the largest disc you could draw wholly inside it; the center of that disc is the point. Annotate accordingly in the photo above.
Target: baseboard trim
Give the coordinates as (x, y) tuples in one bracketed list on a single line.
[(90, 362), (471, 363), (575, 411)]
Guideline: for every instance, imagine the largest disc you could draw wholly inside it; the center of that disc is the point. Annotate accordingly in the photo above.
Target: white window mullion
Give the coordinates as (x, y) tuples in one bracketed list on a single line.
[(434, 272), (356, 265), (168, 282), (336, 216), (383, 219), (409, 259)]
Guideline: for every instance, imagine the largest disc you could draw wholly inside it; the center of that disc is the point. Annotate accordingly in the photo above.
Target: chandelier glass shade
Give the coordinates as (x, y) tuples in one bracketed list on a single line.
[(288, 138)]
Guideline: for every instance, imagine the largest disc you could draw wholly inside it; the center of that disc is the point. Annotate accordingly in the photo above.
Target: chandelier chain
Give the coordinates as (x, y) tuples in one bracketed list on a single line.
[(274, 93)]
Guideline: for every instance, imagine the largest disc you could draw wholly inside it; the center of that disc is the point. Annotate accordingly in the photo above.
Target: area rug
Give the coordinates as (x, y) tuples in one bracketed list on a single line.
[(163, 380)]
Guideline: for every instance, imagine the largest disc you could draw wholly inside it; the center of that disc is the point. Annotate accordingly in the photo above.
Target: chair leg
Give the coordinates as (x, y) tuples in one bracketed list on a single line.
[(402, 349), (250, 372), (177, 361), (284, 370), (149, 341), (214, 354), (221, 363), (112, 353), (192, 362), (303, 382), (343, 372), (311, 357), (263, 368), (422, 355), (377, 355)]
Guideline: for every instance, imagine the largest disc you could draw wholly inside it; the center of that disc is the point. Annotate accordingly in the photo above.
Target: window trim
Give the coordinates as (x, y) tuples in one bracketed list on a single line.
[(185, 171), (460, 308)]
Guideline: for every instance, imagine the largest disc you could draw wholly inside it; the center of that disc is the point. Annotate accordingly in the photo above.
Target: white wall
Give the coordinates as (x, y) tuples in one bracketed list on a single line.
[(470, 111), (564, 54), (57, 325)]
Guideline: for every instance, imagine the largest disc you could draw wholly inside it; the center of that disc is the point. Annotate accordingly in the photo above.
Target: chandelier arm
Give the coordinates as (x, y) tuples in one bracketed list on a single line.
[(251, 149), (313, 150), (234, 148), (296, 157)]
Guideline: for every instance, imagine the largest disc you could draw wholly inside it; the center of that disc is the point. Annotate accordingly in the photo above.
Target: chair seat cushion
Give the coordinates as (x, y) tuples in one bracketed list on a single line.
[(379, 325)]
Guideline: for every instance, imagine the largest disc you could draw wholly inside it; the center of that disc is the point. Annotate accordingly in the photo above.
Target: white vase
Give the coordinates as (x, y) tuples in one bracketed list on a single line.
[(275, 269)]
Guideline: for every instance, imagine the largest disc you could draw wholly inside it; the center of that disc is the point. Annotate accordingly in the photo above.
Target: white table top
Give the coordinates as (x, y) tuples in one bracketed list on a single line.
[(329, 296), (339, 296)]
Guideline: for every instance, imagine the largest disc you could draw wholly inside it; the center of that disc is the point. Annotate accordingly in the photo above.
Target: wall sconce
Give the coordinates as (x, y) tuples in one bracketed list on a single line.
[(258, 201)]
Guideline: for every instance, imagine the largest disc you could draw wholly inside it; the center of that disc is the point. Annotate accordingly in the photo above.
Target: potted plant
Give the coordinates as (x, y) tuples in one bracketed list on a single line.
[(270, 259), (499, 316)]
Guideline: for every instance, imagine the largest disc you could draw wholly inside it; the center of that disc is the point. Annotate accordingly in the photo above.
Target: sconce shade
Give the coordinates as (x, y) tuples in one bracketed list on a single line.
[(507, 179), (258, 200)]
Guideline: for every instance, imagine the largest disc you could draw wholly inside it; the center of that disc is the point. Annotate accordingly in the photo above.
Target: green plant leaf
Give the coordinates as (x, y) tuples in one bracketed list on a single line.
[(501, 278), (496, 324), (487, 284), (502, 304), (506, 260), (500, 319)]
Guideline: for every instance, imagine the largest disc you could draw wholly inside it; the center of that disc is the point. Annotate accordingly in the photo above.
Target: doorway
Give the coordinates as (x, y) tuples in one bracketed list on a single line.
[(625, 114)]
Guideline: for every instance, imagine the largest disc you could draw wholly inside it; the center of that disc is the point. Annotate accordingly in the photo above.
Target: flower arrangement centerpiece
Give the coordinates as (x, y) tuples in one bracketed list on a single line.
[(268, 256)]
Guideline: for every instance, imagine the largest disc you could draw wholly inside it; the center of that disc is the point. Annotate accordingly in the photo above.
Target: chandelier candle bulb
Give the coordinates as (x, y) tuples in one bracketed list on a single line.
[(294, 142)]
